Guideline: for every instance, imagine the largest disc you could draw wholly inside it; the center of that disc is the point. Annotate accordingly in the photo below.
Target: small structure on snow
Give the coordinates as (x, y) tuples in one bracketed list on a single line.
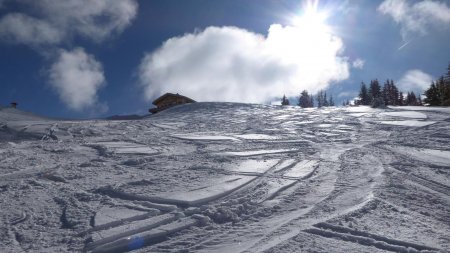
[(13, 104), (168, 100)]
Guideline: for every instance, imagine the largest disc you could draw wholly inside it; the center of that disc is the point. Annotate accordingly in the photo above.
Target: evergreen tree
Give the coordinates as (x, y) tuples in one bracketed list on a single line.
[(411, 98), (432, 95), (325, 100), (394, 93), (319, 99), (386, 92), (378, 102), (401, 99), (305, 100), (448, 74), (443, 88), (419, 100), (375, 95), (439, 91), (331, 101), (390, 93), (284, 100), (408, 98), (374, 90), (447, 85), (363, 95)]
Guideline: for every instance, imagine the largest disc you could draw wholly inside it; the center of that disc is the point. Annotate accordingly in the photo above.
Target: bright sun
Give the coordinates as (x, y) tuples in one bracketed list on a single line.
[(311, 21)]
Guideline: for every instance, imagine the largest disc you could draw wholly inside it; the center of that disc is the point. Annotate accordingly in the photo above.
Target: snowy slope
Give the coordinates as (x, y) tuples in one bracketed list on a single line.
[(224, 177)]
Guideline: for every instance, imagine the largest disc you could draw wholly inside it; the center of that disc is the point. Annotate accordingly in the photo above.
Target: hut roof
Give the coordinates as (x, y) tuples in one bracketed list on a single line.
[(172, 95)]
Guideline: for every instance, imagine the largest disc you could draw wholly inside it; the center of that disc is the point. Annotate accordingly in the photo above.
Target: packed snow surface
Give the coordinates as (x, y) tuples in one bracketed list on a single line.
[(411, 123), (224, 177)]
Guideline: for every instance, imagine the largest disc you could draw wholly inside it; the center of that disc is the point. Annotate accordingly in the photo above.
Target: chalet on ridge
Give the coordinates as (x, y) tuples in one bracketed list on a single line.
[(168, 100)]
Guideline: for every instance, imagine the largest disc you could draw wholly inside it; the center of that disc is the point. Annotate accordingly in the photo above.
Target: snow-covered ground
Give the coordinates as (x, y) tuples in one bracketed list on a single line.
[(222, 177)]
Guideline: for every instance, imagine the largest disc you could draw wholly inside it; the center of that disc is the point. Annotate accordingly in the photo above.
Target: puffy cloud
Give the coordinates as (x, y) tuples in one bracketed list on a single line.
[(233, 64), (418, 17), (358, 63), (415, 80), (76, 77), (19, 28), (50, 22)]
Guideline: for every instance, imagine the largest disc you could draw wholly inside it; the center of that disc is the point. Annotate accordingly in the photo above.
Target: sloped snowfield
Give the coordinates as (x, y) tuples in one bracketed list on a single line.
[(220, 177)]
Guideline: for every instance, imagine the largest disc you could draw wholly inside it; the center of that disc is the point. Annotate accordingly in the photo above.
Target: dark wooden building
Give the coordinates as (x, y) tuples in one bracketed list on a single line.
[(168, 100)]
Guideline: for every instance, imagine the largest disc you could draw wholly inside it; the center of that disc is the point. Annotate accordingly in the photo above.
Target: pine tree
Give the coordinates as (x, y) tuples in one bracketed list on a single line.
[(393, 97), (284, 100), (439, 91), (374, 90), (320, 99), (411, 99), (401, 99), (331, 101), (419, 100), (447, 85), (443, 87), (385, 92), (375, 95), (448, 74), (432, 95), (305, 100), (325, 100), (363, 95)]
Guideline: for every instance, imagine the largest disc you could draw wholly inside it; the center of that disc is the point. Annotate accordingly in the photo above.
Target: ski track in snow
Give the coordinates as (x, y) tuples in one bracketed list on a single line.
[(224, 177)]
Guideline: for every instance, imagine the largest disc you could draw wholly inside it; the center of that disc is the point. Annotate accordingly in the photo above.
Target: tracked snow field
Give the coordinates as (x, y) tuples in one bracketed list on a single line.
[(224, 177), (408, 123)]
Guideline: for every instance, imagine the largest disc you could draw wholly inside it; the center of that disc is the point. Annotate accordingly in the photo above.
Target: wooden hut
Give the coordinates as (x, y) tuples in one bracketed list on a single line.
[(168, 100)]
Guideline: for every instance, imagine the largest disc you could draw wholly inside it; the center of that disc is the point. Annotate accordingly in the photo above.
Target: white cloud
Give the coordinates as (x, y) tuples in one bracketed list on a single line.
[(233, 64), (77, 77), (358, 63), (24, 29), (50, 22), (415, 80), (418, 17), (46, 24)]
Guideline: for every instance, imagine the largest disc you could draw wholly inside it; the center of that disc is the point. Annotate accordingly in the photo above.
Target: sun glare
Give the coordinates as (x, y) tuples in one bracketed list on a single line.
[(311, 20)]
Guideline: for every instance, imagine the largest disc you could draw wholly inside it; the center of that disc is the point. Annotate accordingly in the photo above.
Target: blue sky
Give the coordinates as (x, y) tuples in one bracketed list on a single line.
[(82, 59)]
